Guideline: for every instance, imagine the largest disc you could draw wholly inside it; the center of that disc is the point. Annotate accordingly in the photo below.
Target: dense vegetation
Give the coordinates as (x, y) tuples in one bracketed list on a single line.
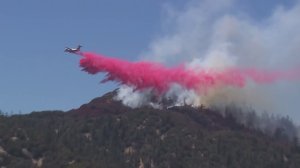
[(103, 133)]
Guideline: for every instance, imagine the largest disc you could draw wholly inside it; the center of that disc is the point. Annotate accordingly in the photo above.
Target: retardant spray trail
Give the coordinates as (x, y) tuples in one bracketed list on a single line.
[(153, 75)]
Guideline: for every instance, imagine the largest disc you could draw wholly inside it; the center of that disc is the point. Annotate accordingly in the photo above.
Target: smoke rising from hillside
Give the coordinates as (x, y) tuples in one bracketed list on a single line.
[(216, 35)]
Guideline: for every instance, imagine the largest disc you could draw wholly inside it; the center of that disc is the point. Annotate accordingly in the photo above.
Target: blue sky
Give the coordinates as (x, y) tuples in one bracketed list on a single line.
[(35, 72)]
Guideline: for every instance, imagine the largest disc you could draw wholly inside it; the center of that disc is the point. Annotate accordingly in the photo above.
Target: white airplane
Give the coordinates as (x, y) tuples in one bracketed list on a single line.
[(73, 50)]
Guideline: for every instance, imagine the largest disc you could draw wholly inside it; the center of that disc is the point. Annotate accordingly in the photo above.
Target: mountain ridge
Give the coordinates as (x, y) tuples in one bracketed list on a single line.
[(105, 133)]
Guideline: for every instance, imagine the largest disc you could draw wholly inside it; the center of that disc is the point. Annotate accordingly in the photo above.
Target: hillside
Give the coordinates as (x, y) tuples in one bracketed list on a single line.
[(104, 133)]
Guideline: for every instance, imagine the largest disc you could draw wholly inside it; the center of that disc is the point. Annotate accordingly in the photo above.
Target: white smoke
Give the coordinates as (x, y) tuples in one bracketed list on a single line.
[(215, 34), (175, 96), (134, 98)]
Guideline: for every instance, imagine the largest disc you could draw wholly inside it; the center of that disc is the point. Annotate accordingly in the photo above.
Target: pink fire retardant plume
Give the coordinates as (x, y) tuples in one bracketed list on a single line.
[(153, 75)]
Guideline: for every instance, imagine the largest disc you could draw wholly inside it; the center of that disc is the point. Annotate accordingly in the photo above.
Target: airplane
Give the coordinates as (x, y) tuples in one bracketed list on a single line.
[(73, 50)]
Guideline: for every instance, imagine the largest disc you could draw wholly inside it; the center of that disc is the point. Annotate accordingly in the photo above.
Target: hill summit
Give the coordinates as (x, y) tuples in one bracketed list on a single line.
[(105, 133)]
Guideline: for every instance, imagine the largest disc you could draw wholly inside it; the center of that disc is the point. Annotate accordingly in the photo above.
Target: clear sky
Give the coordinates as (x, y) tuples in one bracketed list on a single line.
[(35, 72)]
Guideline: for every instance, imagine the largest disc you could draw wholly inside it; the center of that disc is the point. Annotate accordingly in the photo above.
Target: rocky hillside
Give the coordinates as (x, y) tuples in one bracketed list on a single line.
[(104, 133)]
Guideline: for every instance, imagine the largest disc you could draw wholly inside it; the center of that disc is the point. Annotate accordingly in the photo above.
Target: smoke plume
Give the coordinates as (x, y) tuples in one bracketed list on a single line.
[(216, 35)]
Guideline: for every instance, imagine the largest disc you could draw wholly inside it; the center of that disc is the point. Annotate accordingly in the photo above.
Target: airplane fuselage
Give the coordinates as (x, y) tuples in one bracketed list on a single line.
[(73, 50)]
